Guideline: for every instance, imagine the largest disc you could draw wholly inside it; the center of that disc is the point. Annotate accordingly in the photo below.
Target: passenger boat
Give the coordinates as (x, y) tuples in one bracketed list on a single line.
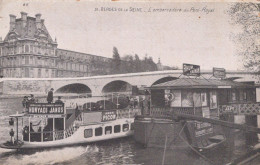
[(76, 121)]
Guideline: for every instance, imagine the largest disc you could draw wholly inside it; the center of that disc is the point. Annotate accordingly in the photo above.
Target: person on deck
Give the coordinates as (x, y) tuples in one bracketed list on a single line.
[(31, 99), (50, 96), (59, 100), (25, 101), (12, 135)]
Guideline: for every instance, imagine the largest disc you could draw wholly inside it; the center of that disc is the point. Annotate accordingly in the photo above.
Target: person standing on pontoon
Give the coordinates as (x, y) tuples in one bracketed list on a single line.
[(12, 136), (50, 96)]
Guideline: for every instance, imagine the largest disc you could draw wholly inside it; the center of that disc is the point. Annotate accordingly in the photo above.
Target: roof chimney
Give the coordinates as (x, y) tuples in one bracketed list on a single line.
[(38, 21), (24, 18), (38, 17), (12, 21)]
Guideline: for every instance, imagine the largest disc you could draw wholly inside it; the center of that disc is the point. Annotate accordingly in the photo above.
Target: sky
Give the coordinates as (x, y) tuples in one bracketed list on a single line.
[(196, 33)]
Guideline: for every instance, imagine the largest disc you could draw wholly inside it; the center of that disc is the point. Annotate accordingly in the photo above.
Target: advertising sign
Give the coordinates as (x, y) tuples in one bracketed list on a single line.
[(219, 72), (108, 116), (201, 128), (46, 108), (199, 133), (191, 70)]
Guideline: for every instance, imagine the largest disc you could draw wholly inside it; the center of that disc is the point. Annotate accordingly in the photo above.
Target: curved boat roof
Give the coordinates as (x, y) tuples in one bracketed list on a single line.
[(201, 83), (17, 115), (82, 101)]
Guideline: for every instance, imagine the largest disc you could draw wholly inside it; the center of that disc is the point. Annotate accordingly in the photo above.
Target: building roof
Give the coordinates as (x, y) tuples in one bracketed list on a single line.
[(201, 83), (29, 29)]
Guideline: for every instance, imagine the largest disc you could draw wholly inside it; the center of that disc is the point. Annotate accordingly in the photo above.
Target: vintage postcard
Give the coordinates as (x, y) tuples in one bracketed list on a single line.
[(129, 82)]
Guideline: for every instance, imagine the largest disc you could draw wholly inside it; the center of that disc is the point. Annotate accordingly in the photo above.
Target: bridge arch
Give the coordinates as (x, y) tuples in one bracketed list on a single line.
[(74, 88), (117, 86), (164, 79)]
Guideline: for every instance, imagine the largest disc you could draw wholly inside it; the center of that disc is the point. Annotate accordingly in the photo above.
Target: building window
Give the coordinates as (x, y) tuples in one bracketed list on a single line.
[(39, 73), (7, 73), (31, 73), (22, 72), (46, 73), (27, 73), (31, 48), (26, 49), (26, 60), (15, 50), (125, 127), (88, 133), (46, 62), (21, 49), (31, 59), (98, 131), (52, 73), (117, 128), (15, 61), (242, 95)]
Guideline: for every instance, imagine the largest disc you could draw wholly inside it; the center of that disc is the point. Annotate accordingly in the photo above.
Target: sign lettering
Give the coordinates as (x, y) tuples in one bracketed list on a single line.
[(191, 70), (219, 72), (108, 116), (46, 108)]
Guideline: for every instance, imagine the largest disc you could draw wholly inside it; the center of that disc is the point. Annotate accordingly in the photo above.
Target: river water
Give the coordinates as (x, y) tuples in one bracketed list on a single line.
[(119, 151)]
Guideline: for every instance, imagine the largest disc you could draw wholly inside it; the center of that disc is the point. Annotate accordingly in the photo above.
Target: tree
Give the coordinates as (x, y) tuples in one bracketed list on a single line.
[(246, 16), (116, 62), (137, 64)]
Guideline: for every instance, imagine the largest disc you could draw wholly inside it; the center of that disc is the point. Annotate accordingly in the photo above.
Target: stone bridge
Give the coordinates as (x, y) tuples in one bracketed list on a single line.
[(98, 85)]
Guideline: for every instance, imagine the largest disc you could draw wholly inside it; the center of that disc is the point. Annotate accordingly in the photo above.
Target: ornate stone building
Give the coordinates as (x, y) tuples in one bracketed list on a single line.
[(28, 50)]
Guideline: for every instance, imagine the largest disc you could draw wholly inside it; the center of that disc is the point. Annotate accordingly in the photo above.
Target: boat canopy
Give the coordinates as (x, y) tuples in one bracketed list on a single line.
[(200, 83), (17, 115), (82, 101)]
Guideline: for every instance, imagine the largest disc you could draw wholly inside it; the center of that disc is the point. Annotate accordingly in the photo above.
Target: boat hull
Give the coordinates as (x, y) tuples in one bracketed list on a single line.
[(156, 132), (78, 137)]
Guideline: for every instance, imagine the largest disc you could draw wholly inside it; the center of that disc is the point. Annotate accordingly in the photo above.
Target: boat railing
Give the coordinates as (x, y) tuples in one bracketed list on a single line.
[(128, 113), (42, 136), (240, 109), (163, 112)]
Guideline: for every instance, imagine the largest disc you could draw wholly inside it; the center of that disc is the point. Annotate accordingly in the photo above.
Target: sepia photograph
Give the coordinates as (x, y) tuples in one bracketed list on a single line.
[(119, 82)]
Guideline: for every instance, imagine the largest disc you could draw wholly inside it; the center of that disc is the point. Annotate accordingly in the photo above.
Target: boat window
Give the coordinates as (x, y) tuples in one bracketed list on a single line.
[(197, 99), (98, 131), (187, 99), (125, 127), (157, 98), (204, 100), (132, 126), (242, 95), (88, 133), (108, 130), (175, 98), (117, 128), (213, 99)]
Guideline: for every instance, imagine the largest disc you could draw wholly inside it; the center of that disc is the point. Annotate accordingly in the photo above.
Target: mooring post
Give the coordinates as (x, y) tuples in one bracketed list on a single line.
[(164, 151), (17, 129), (229, 133)]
